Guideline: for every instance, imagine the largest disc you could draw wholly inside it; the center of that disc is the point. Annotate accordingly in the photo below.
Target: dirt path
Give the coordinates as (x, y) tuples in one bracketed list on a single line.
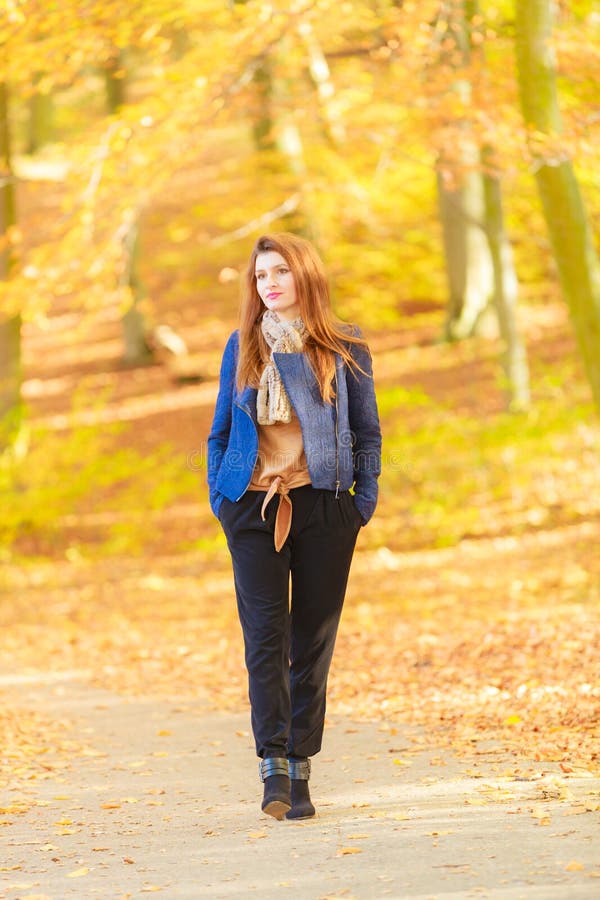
[(158, 798)]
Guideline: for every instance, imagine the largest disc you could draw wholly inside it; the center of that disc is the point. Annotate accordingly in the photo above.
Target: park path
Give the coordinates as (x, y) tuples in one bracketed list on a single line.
[(160, 797)]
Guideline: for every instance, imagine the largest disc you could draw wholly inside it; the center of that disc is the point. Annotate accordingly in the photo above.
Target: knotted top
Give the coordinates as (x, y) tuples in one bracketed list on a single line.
[(283, 519), (280, 466)]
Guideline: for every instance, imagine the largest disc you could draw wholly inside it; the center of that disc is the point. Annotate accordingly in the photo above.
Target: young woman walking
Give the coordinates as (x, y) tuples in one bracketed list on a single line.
[(294, 454)]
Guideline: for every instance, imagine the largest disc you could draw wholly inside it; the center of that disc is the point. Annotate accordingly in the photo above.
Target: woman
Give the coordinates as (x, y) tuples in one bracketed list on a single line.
[(294, 454)]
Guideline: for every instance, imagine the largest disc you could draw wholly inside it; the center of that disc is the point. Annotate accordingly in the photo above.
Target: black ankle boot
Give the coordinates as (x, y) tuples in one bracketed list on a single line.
[(275, 776), (302, 807)]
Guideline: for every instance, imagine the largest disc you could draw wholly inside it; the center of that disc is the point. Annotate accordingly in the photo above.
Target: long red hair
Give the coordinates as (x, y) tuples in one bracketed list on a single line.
[(325, 335)]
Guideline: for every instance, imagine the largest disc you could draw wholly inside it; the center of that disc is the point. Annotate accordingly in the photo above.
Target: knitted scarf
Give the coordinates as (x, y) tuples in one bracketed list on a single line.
[(272, 402)]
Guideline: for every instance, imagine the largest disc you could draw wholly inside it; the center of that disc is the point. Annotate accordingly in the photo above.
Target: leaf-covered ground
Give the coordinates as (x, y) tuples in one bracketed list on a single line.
[(494, 640)]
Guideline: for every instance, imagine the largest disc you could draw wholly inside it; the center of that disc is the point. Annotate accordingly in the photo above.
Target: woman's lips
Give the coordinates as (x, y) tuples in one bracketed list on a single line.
[(273, 295)]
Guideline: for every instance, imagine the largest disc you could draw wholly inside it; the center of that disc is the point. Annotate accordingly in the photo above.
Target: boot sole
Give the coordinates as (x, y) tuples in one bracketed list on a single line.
[(277, 809)]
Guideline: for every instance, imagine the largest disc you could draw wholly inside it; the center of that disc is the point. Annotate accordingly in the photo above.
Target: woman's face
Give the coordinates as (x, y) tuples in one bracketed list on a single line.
[(275, 285)]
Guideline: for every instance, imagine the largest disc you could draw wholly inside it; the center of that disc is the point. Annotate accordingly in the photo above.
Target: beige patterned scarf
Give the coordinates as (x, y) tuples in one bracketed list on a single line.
[(272, 402)]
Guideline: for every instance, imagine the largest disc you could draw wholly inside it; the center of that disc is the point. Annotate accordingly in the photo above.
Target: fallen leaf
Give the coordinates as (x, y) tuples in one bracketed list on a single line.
[(347, 851), (78, 873), (574, 866), (35, 897), (541, 816), (343, 896)]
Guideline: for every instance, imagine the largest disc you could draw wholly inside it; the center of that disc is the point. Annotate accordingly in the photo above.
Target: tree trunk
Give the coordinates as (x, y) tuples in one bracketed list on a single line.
[(115, 80), (135, 332), (262, 119), (39, 126), (279, 143), (10, 322), (332, 123), (468, 263), (514, 359), (180, 41), (564, 210), (461, 202), (8, 208), (10, 378)]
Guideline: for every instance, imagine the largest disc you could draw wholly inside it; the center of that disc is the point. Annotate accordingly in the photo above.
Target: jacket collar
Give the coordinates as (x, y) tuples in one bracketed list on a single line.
[(293, 367)]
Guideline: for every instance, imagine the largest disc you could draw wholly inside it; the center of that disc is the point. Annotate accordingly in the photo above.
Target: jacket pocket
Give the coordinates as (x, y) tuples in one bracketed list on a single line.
[(354, 510), (357, 502)]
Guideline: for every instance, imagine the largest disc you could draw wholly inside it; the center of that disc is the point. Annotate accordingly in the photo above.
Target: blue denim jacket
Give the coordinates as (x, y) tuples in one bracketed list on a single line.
[(233, 438)]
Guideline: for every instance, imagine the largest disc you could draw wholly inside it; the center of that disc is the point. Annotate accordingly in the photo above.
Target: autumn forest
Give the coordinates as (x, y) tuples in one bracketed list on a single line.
[(443, 156)]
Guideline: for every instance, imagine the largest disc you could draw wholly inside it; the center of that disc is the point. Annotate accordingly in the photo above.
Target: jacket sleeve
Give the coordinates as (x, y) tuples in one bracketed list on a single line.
[(366, 431), (221, 425)]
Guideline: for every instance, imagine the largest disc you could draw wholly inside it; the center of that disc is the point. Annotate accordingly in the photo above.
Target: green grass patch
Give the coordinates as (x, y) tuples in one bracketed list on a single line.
[(447, 475), (50, 478)]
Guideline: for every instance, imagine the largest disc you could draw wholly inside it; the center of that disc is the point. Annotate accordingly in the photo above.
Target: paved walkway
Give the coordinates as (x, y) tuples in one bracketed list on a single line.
[(166, 800)]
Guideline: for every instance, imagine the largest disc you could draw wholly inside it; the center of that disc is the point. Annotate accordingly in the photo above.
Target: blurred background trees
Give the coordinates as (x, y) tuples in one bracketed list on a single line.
[(347, 119), (144, 147)]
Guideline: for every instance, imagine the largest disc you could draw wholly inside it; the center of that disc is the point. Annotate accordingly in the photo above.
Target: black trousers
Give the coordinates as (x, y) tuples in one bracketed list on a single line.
[(289, 645)]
